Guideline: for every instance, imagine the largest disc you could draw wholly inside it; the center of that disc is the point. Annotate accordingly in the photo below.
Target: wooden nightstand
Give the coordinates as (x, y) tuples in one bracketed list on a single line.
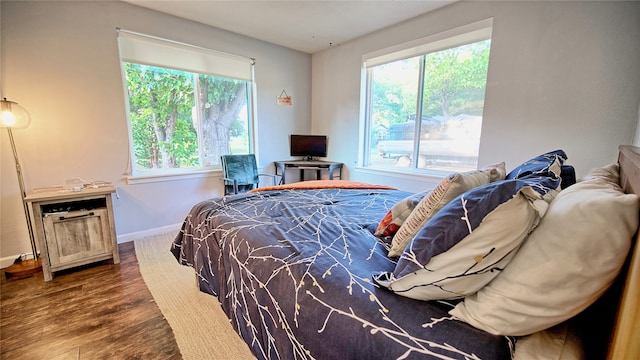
[(73, 228)]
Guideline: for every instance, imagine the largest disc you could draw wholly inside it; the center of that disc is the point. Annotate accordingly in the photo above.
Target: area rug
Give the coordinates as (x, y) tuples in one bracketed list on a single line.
[(200, 327)]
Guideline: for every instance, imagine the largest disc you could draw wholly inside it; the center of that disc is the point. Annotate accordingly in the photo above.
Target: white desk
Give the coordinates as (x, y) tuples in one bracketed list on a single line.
[(302, 165)]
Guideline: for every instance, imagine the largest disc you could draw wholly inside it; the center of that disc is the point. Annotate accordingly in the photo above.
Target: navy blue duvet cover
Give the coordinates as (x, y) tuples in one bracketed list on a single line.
[(292, 270)]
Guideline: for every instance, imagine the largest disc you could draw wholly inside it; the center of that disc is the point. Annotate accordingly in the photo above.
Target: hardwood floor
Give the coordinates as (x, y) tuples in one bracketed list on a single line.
[(99, 311)]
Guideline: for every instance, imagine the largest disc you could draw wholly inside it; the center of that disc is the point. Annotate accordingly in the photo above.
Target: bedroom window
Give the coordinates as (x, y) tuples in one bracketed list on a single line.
[(186, 105), (440, 80)]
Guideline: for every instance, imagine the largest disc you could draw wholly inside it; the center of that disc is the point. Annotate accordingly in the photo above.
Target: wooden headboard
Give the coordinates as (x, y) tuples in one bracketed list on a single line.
[(625, 343)]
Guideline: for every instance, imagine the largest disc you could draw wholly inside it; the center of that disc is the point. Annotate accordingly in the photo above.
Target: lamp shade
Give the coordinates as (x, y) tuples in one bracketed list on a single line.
[(13, 115)]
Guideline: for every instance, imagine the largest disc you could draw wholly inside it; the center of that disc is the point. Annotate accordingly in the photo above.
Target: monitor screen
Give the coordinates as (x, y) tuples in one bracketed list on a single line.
[(308, 146)]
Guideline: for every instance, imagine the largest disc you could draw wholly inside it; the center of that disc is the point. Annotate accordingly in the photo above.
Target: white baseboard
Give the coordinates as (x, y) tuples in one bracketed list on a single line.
[(150, 232), (8, 260)]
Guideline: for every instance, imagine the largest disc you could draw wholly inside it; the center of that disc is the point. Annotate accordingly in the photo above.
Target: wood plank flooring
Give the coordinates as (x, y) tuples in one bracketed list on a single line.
[(99, 311)]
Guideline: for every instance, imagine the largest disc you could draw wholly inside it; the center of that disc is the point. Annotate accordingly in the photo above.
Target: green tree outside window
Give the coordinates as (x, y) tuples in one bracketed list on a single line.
[(181, 119)]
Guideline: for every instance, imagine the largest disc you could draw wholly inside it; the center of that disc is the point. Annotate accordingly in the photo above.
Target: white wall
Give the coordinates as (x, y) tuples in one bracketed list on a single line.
[(561, 75), (60, 61), (636, 136)]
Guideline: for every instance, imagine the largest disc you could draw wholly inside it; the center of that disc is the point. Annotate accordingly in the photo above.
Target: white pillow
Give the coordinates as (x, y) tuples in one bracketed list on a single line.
[(571, 258), (448, 189), (560, 342)]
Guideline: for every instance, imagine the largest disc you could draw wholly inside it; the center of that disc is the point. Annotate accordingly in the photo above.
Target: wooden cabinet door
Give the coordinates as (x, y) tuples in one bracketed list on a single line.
[(77, 236)]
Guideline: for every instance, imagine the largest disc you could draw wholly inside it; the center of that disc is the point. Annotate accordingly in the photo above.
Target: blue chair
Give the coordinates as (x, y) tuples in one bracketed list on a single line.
[(240, 173)]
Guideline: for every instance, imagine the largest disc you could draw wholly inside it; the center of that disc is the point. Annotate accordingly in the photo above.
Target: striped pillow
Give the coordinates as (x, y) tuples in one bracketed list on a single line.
[(396, 216), (448, 189)]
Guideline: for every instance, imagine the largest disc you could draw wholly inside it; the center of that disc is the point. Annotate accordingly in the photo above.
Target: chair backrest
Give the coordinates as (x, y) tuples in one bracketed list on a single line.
[(242, 168)]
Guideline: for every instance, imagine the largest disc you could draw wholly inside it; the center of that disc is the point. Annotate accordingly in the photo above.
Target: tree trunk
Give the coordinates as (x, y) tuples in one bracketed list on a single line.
[(218, 118), (164, 134)]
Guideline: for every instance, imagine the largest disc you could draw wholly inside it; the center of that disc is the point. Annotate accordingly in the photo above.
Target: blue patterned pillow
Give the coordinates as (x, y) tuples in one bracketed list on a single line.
[(470, 240), (547, 164)]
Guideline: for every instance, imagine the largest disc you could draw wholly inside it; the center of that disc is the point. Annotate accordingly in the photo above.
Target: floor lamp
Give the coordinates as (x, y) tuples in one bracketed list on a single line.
[(15, 116)]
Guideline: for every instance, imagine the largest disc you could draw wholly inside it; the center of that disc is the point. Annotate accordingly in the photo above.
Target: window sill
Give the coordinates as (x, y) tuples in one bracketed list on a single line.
[(416, 175), (196, 174)]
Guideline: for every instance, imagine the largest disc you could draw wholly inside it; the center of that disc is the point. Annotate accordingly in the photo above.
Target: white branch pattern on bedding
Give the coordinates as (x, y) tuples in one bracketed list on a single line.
[(292, 269)]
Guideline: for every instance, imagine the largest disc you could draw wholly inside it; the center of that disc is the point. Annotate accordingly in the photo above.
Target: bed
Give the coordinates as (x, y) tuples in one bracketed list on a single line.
[(306, 272)]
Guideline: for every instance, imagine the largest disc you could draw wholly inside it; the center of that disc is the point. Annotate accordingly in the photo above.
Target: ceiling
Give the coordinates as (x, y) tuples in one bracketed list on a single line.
[(305, 25)]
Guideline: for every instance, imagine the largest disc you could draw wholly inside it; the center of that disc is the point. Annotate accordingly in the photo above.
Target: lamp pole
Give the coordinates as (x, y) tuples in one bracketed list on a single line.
[(23, 194), (13, 115)]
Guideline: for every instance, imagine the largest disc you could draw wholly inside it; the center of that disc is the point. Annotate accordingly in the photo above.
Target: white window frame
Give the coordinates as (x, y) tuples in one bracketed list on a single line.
[(462, 35), (155, 51)]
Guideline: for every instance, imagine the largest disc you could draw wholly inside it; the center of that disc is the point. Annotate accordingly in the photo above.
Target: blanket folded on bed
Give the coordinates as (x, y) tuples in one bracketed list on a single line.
[(325, 184)]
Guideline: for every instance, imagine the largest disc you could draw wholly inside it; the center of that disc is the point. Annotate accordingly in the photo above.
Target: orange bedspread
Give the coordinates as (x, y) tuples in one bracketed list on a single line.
[(325, 184)]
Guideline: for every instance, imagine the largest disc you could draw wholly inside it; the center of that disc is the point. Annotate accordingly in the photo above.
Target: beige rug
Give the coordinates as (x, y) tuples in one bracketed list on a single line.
[(199, 325)]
